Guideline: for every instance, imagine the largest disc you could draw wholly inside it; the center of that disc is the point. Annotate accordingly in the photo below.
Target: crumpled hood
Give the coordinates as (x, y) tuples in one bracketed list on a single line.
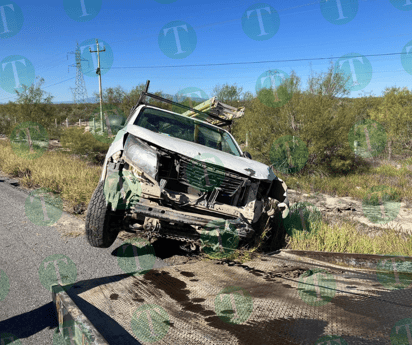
[(241, 165)]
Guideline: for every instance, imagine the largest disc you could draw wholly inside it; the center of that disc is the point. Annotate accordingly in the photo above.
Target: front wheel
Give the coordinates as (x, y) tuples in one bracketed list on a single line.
[(269, 233), (99, 233)]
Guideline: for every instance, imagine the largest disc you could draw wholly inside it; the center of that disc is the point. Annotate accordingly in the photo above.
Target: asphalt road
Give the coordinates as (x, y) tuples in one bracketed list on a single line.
[(364, 311), (26, 308)]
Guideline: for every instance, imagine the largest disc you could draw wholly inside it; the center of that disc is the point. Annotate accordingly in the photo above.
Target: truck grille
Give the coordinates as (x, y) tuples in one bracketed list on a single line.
[(205, 177)]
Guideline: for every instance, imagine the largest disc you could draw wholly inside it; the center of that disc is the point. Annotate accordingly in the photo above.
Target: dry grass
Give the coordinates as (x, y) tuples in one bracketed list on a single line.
[(397, 176), (344, 235), (348, 236), (73, 179)]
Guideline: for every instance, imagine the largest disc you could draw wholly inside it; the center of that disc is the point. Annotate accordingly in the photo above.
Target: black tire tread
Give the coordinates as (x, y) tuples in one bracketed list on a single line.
[(98, 231)]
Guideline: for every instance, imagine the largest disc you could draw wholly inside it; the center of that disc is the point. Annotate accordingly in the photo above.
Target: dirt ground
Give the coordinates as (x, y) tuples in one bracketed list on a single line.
[(348, 208)]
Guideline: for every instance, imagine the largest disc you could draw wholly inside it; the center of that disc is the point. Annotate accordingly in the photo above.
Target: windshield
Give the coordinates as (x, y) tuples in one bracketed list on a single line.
[(187, 129)]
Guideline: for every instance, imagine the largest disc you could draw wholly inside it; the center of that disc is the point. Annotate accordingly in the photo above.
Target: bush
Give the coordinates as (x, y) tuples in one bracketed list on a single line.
[(55, 132), (83, 143)]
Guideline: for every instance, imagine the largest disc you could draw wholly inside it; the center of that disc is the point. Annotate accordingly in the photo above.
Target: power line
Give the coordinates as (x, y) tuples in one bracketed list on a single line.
[(63, 81), (222, 64), (223, 78), (231, 63), (255, 62)]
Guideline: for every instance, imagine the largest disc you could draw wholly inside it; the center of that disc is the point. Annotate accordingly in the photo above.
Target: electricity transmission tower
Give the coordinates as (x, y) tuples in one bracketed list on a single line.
[(79, 92)]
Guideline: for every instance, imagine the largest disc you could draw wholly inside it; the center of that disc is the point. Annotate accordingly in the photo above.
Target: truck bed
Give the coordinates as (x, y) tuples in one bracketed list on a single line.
[(264, 301)]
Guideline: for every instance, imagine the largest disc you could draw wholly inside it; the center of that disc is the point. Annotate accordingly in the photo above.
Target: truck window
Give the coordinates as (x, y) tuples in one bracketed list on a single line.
[(186, 128)]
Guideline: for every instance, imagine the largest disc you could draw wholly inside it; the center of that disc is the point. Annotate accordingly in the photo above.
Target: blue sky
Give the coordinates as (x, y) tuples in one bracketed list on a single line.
[(209, 32)]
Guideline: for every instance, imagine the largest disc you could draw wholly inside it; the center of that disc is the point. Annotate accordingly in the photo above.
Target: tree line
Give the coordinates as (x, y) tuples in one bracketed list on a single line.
[(321, 115)]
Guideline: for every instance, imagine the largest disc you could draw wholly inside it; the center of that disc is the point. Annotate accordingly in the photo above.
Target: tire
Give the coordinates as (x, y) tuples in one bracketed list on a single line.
[(99, 233), (278, 238), (275, 239)]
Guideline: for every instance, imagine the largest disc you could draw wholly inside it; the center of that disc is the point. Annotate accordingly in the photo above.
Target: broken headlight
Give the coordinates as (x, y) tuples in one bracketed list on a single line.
[(141, 155)]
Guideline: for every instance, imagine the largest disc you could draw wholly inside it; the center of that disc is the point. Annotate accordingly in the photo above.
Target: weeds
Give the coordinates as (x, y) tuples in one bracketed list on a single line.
[(343, 237), (75, 180), (358, 185), (72, 178)]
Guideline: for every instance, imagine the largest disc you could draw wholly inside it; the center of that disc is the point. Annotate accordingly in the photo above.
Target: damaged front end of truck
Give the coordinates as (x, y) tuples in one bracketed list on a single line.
[(180, 178)]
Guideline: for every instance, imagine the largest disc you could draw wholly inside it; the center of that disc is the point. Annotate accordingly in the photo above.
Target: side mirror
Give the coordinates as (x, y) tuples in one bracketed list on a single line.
[(247, 155)]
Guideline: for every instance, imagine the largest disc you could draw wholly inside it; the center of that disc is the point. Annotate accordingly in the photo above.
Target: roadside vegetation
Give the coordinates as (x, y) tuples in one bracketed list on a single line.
[(342, 236), (397, 175), (72, 178), (320, 115)]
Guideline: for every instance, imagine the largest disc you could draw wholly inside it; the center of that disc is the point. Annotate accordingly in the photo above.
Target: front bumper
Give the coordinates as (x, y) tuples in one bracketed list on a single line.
[(144, 208)]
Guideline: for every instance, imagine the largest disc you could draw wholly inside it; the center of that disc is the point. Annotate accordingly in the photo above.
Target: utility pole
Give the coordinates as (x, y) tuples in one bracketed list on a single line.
[(100, 81)]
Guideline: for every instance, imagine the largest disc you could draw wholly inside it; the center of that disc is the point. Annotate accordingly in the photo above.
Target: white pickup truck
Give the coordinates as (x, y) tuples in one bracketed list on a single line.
[(175, 176)]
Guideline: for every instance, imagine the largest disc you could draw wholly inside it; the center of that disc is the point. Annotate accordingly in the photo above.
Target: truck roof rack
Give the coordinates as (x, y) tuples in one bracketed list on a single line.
[(212, 110), (214, 106)]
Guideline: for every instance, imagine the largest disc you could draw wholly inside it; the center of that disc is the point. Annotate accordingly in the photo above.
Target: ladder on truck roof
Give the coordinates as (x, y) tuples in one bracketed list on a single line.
[(217, 108), (212, 110)]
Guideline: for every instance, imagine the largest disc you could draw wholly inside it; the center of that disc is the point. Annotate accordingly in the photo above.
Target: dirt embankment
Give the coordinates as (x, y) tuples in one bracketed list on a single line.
[(350, 208)]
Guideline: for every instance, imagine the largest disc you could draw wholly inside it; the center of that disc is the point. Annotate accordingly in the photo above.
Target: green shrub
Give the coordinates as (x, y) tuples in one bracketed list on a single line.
[(83, 143)]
